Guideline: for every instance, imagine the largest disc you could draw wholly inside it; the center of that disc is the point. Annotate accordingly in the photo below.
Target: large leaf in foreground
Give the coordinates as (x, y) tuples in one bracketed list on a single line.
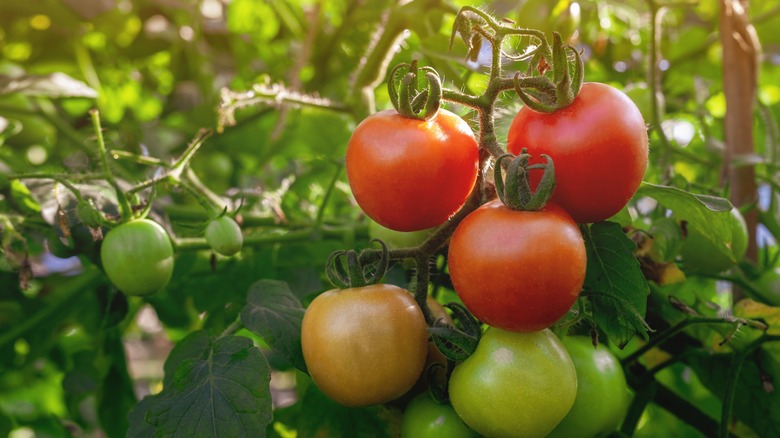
[(275, 314), (219, 388), (614, 283)]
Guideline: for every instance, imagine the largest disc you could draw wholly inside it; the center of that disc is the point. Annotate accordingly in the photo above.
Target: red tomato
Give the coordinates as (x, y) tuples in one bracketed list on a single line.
[(598, 144), (409, 174), (517, 270)]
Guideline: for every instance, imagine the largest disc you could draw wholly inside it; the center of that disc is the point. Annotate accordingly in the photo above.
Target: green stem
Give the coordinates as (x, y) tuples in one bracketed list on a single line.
[(232, 328), (140, 159), (199, 243), (328, 193), (125, 209), (673, 330)]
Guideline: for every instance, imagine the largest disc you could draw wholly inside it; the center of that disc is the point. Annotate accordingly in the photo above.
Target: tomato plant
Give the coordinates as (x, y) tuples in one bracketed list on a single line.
[(517, 270), (699, 253), (515, 384), (425, 418), (138, 257), (224, 236), (599, 145), (409, 174), (602, 392), (364, 345)]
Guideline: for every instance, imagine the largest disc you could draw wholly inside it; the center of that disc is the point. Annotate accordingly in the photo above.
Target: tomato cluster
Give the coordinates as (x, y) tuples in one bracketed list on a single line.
[(518, 264)]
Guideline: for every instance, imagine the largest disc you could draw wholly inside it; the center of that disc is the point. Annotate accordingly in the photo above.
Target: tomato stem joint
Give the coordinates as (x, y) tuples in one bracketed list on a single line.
[(516, 192), (407, 99), (348, 269)]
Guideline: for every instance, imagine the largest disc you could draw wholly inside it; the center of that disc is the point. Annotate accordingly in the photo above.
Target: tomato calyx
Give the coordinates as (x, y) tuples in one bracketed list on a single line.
[(542, 94), (456, 344), (350, 269), (407, 99), (516, 191)]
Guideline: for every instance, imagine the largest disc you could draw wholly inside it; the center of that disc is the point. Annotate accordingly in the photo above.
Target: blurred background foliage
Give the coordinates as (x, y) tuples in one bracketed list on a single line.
[(159, 70)]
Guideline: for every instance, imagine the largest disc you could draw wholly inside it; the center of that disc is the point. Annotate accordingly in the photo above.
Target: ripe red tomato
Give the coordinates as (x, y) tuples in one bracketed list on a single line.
[(598, 144), (409, 174), (517, 270), (364, 345), (515, 384)]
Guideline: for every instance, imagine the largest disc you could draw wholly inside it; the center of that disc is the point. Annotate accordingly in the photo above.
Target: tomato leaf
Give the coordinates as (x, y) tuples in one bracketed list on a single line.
[(614, 283), (708, 215), (321, 416), (275, 314), (756, 399), (220, 384)]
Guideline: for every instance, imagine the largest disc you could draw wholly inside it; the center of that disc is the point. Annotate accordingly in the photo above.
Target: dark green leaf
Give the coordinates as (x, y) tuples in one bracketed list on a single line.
[(275, 314), (221, 390), (116, 398), (139, 428), (614, 283), (757, 400), (321, 416)]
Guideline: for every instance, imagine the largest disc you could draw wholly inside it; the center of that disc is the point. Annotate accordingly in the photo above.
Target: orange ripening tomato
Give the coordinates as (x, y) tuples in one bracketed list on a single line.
[(409, 174)]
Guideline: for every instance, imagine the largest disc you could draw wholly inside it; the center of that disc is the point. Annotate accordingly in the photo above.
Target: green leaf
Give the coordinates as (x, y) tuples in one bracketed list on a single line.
[(23, 198), (51, 85), (756, 403), (709, 215), (275, 314), (223, 388), (614, 283), (116, 397), (139, 428), (321, 416)]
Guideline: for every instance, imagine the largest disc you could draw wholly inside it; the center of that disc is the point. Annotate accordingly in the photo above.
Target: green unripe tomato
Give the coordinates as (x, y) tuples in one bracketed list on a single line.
[(515, 384), (138, 257), (602, 392), (425, 418), (224, 236), (701, 255)]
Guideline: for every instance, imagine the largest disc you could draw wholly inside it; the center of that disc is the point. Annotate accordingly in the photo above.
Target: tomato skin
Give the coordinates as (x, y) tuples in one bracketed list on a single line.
[(599, 146), (425, 418), (515, 384), (137, 256), (224, 236), (700, 255), (517, 270), (409, 174), (364, 345), (602, 392)]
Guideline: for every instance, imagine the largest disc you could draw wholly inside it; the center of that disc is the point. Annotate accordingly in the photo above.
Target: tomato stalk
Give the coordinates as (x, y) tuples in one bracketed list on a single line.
[(125, 208), (516, 192)]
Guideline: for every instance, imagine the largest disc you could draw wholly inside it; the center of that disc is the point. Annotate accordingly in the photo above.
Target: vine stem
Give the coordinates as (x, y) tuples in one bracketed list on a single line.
[(232, 328), (673, 330), (126, 210)]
